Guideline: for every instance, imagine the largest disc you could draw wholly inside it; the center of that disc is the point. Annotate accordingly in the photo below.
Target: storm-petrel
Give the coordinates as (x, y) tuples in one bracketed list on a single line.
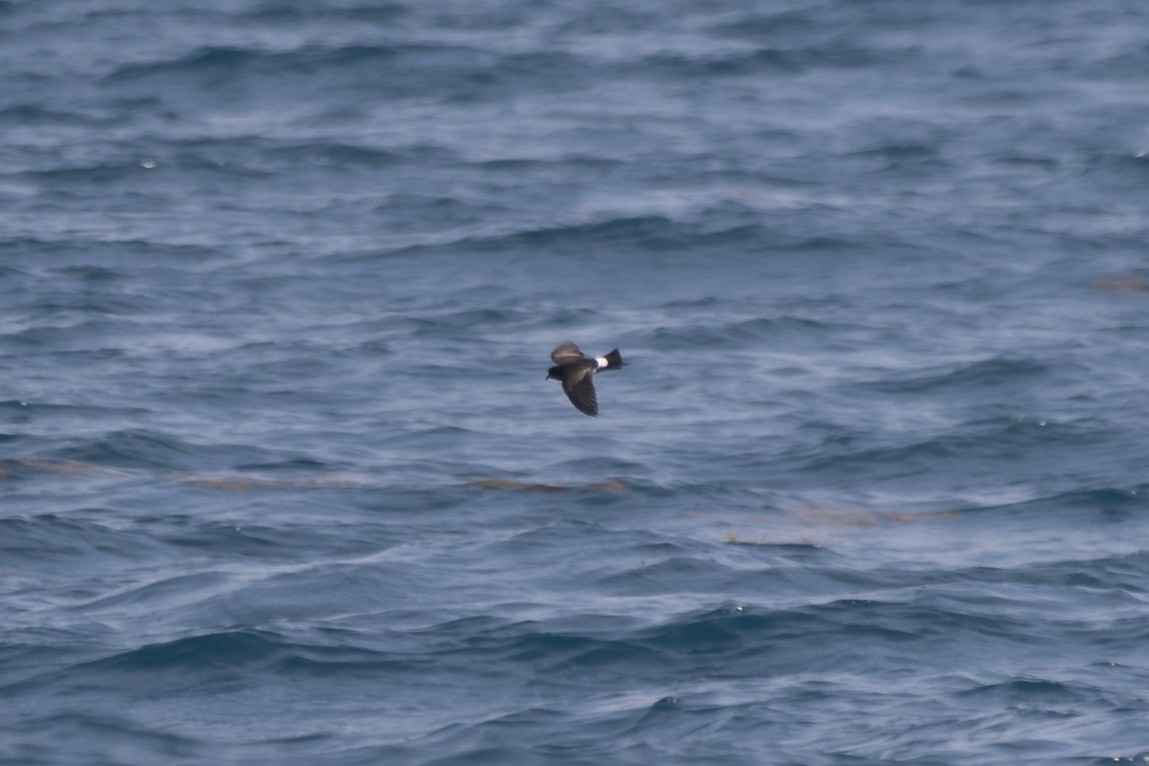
[(575, 371)]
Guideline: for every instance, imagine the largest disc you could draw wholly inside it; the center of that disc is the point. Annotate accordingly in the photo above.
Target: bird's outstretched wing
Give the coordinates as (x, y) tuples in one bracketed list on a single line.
[(565, 353), (580, 390)]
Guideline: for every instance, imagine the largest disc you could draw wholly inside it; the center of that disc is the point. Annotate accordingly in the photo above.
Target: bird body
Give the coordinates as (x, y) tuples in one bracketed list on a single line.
[(575, 370)]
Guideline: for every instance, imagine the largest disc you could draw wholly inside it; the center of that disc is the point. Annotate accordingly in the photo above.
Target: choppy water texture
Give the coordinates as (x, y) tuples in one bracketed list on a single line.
[(283, 483)]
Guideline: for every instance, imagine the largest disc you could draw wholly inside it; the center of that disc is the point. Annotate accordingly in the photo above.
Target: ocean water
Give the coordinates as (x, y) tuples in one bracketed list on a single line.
[(282, 482)]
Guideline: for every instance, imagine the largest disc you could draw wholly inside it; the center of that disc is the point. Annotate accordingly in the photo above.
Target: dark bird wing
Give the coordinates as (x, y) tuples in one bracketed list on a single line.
[(580, 390), (565, 353)]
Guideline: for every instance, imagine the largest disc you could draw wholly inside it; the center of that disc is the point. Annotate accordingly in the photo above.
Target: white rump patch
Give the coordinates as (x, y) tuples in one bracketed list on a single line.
[(601, 361)]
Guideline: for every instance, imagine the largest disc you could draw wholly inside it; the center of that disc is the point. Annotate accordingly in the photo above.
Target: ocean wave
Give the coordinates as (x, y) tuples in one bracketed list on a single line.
[(395, 70), (138, 448), (44, 540), (110, 738), (965, 376), (333, 154), (359, 13), (759, 332), (212, 652)]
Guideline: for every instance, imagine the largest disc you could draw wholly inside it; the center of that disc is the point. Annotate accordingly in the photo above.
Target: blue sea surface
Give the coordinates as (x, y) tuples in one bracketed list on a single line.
[(282, 481)]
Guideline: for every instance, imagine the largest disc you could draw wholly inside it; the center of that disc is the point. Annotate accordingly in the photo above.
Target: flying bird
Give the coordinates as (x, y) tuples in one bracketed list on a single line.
[(575, 372)]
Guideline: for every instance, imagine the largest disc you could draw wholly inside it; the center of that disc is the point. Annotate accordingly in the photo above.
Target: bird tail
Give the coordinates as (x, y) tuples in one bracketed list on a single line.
[(613, 360)]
